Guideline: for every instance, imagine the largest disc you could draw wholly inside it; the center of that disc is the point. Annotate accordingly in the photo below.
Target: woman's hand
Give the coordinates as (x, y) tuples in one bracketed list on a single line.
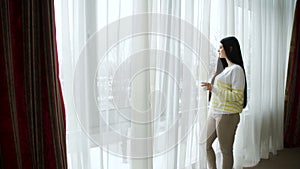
[(206, 86)]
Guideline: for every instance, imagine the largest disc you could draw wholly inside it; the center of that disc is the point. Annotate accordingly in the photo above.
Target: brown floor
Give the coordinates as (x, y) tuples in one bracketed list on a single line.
[(285, 159)]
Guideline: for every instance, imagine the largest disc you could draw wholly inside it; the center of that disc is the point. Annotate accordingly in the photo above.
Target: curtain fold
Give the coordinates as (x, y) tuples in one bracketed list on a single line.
[(292, 98), (32, 116)]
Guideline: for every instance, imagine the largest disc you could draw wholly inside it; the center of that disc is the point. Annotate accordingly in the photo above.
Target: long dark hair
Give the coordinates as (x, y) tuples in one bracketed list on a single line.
[(233, 52), (221, 64)]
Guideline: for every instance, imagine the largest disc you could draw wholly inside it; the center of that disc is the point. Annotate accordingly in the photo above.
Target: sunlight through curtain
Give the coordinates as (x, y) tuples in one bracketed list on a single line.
[(131, 72)]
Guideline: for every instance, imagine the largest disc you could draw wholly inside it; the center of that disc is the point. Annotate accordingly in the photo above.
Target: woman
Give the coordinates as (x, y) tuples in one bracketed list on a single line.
[(229, 97)]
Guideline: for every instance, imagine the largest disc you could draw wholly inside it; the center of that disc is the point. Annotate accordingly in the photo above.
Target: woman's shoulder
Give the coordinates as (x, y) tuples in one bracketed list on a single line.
[(236, 67), (237, 70)]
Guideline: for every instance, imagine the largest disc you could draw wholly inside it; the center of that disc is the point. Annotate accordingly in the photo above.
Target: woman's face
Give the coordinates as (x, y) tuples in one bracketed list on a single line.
[(221, 52)]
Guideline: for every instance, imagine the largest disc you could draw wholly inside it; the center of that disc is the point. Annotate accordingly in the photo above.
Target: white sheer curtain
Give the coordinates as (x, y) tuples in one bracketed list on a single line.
[(130, 72), (264, 30)]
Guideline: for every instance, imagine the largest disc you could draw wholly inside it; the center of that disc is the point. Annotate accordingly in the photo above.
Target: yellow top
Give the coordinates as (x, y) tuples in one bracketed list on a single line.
[(228, 91)]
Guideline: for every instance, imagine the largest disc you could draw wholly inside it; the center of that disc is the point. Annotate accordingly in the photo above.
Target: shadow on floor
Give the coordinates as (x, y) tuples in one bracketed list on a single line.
[(285, 159)]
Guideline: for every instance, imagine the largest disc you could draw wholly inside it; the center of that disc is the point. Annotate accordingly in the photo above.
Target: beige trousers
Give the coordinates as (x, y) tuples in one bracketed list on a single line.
[(224, 127)]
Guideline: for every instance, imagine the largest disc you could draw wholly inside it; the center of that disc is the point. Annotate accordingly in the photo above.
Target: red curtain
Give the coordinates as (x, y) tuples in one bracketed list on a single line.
[(32, 119), (292, 99)]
